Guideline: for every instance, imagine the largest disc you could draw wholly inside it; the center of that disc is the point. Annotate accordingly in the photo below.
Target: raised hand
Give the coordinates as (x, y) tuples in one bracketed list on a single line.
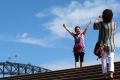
[(64, 25), (86, 29)]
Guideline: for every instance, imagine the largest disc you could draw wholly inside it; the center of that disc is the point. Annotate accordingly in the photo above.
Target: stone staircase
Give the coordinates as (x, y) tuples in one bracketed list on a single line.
[(86, 73)]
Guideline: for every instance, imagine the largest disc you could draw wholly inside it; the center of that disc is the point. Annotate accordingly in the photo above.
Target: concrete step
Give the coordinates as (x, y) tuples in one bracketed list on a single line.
[(86, 73)]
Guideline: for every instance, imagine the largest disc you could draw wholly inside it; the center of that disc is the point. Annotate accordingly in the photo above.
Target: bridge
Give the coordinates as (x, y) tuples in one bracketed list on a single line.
[(14, 69)]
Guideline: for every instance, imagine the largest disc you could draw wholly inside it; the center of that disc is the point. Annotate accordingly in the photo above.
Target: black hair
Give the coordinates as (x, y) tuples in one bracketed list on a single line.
[(107, 15), (77, 27)]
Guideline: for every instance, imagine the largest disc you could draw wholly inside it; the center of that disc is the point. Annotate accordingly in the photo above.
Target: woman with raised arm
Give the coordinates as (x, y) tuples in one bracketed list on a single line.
[(106, 29), (79, 49)]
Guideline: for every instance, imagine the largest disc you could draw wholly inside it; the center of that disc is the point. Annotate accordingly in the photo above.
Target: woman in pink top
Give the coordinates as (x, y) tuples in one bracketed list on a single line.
[(78, 49)]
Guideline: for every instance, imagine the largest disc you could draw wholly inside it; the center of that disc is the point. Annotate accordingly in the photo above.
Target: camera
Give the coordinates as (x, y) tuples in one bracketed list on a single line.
[(100, 16)]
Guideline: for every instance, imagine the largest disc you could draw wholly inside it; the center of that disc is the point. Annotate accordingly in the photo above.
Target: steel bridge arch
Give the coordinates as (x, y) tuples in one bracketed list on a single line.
[(13, 69)]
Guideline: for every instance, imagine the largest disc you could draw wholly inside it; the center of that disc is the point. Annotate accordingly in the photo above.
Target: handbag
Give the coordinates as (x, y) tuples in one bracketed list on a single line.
[(98, 51)]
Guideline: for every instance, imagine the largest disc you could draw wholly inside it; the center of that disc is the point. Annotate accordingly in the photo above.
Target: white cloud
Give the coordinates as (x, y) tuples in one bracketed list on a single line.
[(40, 15), (34, 41), (24, 38), (77, 13), (23, 35), (56, 29)]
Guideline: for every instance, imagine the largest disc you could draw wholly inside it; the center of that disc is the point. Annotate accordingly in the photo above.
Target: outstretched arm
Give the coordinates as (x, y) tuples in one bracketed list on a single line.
[(86, 29), (64, 25)]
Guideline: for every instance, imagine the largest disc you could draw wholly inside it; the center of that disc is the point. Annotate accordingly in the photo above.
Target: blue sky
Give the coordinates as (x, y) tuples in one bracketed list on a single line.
[(32, 30)]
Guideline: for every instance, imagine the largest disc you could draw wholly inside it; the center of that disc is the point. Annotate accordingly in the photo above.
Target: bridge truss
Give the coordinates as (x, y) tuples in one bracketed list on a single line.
[(13, 69)]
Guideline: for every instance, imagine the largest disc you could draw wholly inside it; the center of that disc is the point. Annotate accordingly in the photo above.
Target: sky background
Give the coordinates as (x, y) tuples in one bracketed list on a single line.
[(31, 31)]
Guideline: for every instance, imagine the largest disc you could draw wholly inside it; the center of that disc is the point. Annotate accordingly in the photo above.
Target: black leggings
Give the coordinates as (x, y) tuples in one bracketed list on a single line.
[(78, 56)]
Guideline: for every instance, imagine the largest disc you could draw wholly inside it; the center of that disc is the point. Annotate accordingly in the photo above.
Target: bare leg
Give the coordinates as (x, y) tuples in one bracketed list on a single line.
[(75, 64), (81, 64), (110, 74)]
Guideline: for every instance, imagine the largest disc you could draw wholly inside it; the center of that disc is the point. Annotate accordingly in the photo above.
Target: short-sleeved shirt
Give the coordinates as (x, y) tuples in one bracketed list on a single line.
[(106, 35)]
